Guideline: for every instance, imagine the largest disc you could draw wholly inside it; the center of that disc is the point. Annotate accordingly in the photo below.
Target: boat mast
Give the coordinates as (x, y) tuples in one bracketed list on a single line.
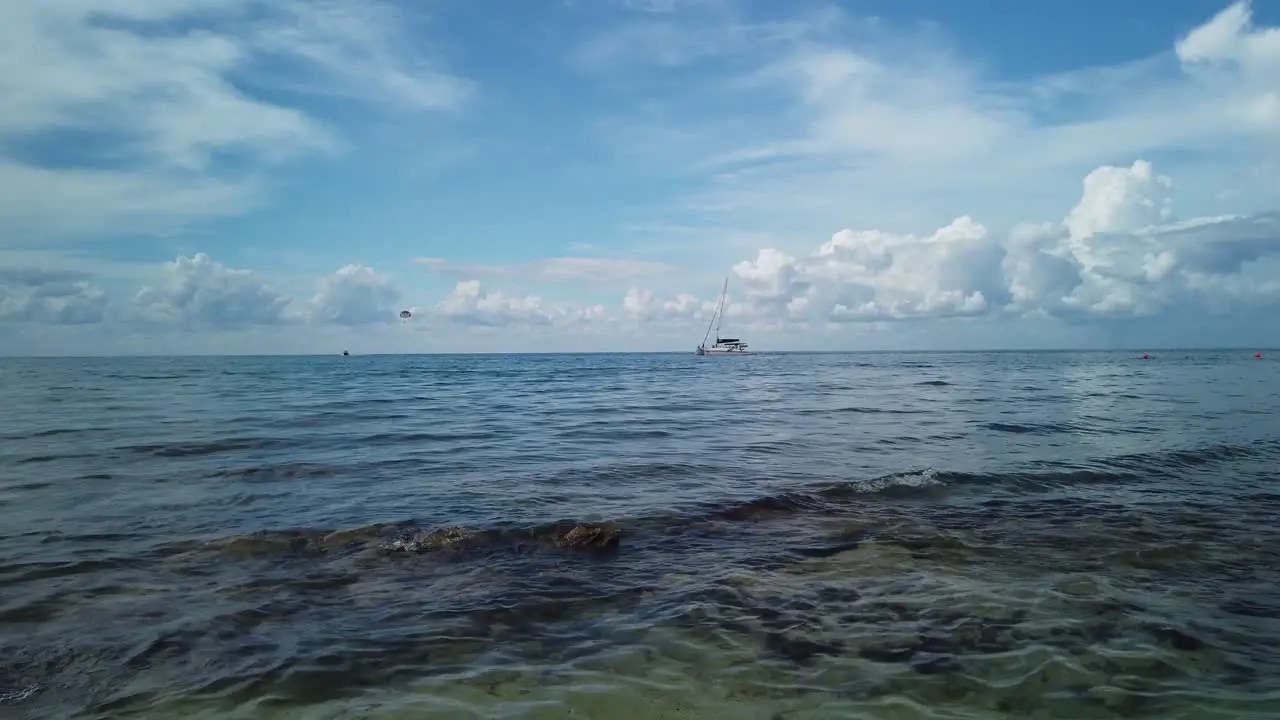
[(720, 317), (715, 316)]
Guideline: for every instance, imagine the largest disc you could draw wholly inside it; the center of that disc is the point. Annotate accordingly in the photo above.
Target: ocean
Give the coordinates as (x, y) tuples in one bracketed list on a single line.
[(776, 536)]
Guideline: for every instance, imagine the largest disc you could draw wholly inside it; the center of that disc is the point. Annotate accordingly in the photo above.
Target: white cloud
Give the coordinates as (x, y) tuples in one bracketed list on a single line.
[(1113, 255), (670, 38), (643, 306), (1245, 59), (164, 119), (365, 52), (199, 292), (31, 295), (574, 270), (876, 275), (854, 119), (1121, 200), (469, 304), (355, 295)]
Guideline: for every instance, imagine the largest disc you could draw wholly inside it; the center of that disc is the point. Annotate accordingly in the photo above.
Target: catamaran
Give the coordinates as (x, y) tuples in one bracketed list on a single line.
[(722, 346)]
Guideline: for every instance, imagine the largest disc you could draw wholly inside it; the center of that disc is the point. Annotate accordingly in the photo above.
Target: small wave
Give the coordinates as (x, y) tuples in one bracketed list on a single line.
[(620, 473), (13, 696), (53, 432), (273, 473), (619, 432), (211, 447), (29, 486), (1190, 459), (427, 437), (32, 571), (37, 459), (1032, 428), (933, 383), (858, 410)]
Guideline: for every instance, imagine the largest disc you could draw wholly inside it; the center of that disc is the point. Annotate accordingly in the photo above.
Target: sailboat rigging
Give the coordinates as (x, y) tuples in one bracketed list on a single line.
[(722, 346)]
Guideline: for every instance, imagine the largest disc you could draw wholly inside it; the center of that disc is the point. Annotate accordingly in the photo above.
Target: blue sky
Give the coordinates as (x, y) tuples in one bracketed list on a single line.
[(249, 176)]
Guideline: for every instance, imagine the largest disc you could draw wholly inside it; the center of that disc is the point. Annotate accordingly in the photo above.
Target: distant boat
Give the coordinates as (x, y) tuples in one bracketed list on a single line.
[(722, 346)]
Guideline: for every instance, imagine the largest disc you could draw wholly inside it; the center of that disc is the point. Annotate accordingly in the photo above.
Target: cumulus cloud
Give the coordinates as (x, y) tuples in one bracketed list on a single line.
[(355, 295), (1117, 253), (644, 306), (876, 275), (199, 292), (1244, 58), (53, 297), (468, 304), (574, 270), (171, 124), (1121, 200)]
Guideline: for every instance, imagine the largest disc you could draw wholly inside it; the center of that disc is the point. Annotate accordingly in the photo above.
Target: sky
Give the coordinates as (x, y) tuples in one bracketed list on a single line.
[(286, 176)]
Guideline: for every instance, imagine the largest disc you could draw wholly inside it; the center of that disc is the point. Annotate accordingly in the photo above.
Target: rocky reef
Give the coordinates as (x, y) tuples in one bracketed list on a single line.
[(583, 536)]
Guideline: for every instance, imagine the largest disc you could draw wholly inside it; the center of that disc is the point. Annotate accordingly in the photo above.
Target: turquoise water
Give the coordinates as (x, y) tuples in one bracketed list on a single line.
[(800, 536)]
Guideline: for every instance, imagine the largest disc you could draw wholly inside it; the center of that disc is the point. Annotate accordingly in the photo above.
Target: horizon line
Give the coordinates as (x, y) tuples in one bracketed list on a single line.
[(969, 351)]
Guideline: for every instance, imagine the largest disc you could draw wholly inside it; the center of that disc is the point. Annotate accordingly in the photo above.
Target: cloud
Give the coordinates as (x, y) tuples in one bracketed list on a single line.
[(198, 292), (32, 295), (1230, 49), (671, 34), (1121, 200), (1116, 254), (355, 295), (552, 270), (364, 50), (642, 306), (857, 117), (125, 113), (469, 304)]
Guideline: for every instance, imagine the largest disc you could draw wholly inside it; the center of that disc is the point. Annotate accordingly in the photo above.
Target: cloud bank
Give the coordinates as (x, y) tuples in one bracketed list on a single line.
[(1119, 253)]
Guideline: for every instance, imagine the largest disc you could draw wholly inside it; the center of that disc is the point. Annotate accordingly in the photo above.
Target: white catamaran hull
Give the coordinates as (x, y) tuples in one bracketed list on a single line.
[(721, 351)]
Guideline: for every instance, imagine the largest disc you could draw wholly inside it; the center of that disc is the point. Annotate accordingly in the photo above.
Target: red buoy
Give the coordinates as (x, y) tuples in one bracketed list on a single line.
[(1257, 356), (1146, 356)]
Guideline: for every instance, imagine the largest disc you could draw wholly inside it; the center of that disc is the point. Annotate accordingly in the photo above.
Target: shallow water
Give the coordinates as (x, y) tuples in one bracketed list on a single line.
[(802, 536)]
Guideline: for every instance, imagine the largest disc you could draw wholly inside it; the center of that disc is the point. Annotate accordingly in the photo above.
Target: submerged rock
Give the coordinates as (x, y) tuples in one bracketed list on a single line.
[(591, 537), (580, 537), (799, 650), (442, 539)]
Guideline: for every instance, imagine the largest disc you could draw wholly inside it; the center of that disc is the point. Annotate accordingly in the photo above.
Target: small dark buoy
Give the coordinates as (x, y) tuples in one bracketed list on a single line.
[(345, 353)]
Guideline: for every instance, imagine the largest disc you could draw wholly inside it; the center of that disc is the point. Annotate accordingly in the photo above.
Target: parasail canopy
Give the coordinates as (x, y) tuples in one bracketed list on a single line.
[(405, 314)]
